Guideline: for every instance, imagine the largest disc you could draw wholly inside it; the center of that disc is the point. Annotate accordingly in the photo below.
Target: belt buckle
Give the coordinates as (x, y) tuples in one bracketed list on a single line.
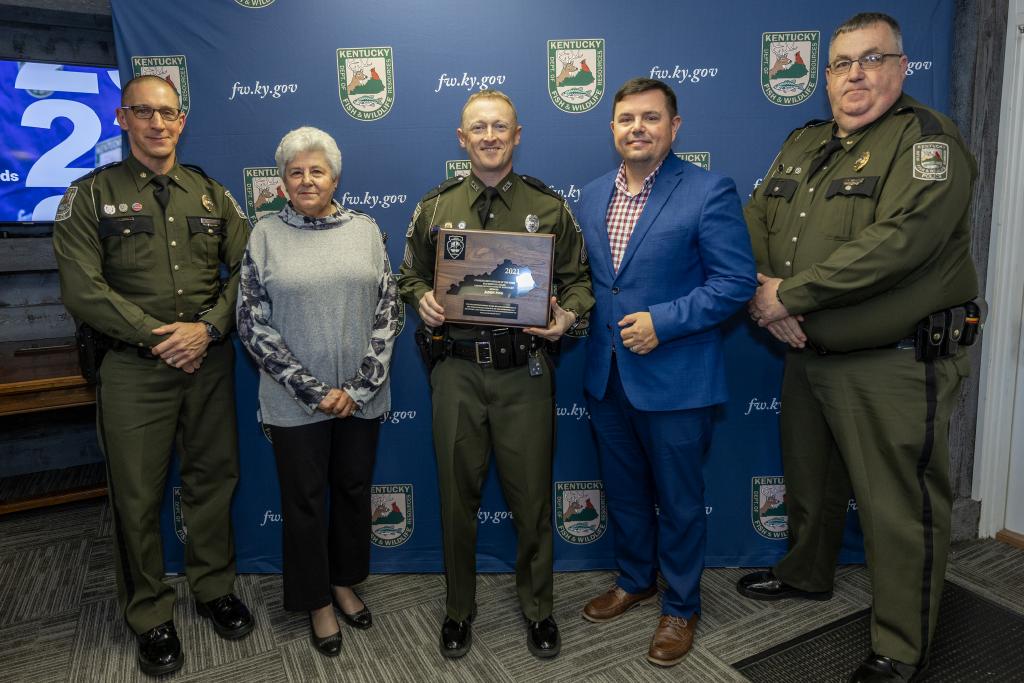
[(483, 352)]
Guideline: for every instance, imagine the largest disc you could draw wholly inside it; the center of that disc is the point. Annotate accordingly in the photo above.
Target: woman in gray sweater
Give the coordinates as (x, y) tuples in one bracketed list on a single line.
[(318, 311)]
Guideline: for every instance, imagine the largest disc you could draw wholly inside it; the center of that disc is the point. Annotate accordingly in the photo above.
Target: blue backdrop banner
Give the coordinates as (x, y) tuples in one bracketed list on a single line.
[(388, 80)]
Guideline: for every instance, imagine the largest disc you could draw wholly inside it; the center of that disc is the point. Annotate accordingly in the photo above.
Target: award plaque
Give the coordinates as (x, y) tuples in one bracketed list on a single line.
[(491, 277)]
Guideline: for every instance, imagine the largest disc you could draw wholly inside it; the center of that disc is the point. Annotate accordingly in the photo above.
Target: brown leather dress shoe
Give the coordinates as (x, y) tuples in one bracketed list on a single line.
[(672, 640), (614, 603)]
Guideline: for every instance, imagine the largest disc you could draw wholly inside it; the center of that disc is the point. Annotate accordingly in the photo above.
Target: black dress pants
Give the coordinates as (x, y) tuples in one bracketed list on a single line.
[(325, 462)]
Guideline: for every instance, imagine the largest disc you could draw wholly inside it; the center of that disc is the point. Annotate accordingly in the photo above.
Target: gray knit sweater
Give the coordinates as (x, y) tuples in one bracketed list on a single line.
[(318, 309)]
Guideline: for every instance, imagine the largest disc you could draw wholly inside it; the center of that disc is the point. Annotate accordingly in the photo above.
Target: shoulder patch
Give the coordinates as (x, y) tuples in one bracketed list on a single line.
[(931, 160), (238, 209), (198, 170), (66, 202), (539, 184), (443, 187), (929, 122)]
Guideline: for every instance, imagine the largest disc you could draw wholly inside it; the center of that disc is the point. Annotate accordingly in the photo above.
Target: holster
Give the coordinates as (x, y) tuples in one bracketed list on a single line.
[(92, 347), (430, 343)]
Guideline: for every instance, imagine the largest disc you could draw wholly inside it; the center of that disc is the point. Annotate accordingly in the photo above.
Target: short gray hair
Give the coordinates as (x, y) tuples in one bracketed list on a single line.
[(866, 19), (308, 139)]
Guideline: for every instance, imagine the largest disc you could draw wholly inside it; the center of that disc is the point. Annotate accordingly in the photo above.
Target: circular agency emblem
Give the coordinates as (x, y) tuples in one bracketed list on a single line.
[(581, 513), (254, 4), (180, 530), (391, 515), (789, 66), (698, 159), (455, 247), (366, 81), (576, 73), (264, 191), (171, 68), (456, 168), (768, 507)]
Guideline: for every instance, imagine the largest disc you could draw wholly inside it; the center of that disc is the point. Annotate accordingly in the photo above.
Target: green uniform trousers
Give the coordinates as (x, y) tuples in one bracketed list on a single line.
[(475, 409), (145, 408), (875, 421)]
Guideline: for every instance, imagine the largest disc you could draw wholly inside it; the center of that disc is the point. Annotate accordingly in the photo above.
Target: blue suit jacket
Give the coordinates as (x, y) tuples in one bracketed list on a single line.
[(689, 264)]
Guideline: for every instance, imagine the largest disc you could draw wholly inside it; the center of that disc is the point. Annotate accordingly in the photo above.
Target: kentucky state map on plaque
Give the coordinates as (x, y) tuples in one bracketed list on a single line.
[(492, 277)]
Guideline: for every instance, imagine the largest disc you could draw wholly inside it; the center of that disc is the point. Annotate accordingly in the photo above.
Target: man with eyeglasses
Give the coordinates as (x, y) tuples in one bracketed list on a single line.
[(493, 387), (140, 245), (861, 234)]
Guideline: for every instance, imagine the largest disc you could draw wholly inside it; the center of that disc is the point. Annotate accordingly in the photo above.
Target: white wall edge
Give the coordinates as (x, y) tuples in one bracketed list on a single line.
[(1001, 356)]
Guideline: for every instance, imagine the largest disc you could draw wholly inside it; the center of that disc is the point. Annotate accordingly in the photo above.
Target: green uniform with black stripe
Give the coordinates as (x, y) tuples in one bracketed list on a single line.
[(127, 266), (479, 408), (868, 240)]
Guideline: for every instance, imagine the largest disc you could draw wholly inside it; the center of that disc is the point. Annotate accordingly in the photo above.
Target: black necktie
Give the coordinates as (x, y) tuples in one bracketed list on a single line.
[(826, 152), (485, 207), (162, 191)]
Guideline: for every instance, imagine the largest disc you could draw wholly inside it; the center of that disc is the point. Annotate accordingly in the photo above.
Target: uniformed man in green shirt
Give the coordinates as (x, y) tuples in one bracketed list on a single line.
[(861, 230), (139, 246), (502, 398)]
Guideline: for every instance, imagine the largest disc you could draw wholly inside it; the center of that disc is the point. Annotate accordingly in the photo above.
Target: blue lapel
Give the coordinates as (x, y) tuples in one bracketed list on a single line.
[(601, 252), (671, 173)]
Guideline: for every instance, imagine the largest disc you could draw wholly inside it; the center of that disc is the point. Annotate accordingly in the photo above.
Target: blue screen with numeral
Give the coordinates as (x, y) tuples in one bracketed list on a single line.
[(57, 123)]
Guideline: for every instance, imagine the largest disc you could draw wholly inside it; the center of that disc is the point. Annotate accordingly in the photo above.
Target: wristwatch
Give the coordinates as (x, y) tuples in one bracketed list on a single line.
[(212, 332)]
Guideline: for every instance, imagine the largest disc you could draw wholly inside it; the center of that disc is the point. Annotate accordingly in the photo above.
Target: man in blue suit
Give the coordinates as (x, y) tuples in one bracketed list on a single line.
[(670, 260)]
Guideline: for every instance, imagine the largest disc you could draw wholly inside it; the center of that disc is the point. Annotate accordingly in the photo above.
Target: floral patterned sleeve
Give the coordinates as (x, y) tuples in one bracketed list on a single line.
[(266, 345), (374, 367)]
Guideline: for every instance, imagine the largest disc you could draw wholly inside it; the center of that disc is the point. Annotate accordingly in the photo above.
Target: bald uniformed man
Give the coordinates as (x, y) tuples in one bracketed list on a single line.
[(506, 403), (139, 247), (860, 230)]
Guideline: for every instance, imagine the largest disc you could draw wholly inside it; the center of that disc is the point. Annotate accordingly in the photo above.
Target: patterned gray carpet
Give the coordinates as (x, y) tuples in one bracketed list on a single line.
[(59, 619)]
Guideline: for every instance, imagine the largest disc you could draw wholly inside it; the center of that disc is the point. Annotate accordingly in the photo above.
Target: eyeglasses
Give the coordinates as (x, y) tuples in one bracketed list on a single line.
[(867, 62), (145, 112)]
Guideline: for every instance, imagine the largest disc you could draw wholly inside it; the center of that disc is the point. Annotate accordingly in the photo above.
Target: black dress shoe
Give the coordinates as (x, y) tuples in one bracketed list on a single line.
[(160, 650), (361, 620), (764, 585), (876, 669), (231, 618), (329, 646), (456, 637), (542, 638)]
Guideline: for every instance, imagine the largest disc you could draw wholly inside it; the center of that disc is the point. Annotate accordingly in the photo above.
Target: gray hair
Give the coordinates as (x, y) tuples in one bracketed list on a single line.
[(308, 139), (866, 19)]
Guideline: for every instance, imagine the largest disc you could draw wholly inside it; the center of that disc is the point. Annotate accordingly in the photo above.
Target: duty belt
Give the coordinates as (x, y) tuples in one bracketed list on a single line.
[(500, 348)]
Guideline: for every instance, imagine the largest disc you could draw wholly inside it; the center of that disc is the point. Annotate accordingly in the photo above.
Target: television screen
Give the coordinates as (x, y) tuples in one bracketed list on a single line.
[(57, 123)]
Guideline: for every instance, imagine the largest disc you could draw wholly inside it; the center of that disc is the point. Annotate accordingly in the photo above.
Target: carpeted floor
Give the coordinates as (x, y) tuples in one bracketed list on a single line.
[(59, 619)]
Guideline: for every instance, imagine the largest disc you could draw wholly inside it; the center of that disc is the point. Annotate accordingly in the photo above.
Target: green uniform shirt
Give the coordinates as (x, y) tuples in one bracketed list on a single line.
[(127, 266), (520, 200), (878, 236)]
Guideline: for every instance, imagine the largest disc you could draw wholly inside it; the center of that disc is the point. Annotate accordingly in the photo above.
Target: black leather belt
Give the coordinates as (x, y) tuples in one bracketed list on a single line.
[(905, 343), (499, 348)]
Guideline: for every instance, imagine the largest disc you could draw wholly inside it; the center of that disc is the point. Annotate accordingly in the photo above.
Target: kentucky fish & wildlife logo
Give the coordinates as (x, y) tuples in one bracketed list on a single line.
[(576, 73), (171, 68), (581, 511), (768, 507), (391, 515), (264, 191), (698, 159), (456, 168), (789, 66), (366, 81)]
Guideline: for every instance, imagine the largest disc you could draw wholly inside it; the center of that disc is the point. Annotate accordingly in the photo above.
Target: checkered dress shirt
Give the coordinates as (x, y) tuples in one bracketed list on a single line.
[(624, 211)]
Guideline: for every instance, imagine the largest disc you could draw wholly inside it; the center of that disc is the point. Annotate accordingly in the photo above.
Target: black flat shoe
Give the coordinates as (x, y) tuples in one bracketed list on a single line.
[(542, 638), (878, 669), (160, 650), (764, 585), (456, 637), (361, 620), (231, 618), (329, 646)]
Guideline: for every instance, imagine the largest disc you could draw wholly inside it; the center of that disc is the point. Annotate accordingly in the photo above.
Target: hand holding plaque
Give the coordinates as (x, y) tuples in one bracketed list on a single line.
[(491, 277)]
